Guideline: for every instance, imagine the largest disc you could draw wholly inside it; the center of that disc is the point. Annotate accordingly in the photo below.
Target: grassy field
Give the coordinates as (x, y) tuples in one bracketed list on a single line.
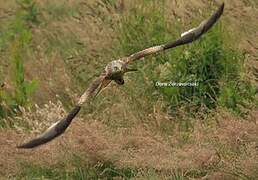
[(51, 50)]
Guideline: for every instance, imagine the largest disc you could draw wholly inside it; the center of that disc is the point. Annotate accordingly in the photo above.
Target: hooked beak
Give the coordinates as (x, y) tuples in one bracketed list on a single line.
[(131, 69), (2, 85)]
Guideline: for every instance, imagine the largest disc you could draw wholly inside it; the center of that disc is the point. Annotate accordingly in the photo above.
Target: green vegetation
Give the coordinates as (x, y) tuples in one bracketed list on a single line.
[(70, 42), (217, 69), (17, 42), (76, 169), (58, 10), (29, 12)]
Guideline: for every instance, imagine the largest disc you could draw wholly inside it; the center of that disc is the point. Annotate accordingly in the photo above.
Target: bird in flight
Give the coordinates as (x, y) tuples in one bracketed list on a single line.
[(114, 71)]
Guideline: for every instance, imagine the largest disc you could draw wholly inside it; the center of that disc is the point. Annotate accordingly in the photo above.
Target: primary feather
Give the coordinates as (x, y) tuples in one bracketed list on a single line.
[(114, 71)]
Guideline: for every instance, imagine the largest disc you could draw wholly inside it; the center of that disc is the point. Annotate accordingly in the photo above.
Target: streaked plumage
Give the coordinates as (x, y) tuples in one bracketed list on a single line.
[(114, 71)]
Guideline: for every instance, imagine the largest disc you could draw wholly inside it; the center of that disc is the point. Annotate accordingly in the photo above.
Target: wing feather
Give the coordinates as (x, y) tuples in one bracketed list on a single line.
[(101, 82), (59, 127), (186, 37)]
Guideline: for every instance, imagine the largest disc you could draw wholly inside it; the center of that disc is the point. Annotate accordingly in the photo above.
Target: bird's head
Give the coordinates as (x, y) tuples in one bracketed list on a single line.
[(118, 67), (116, 70), (115, 67)]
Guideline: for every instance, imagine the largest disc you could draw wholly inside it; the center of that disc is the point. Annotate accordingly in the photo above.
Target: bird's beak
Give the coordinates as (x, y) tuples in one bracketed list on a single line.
[(131, 69), (2, 85)]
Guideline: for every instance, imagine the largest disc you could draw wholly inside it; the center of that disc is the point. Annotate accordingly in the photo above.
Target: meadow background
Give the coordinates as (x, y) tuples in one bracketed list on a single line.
[(51, 50)]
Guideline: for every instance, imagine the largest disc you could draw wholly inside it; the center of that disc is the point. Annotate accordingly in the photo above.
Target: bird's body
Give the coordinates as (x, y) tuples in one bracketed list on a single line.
[(114, 71)]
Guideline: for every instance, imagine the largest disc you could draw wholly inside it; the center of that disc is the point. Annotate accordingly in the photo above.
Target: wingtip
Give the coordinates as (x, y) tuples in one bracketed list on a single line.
[(18, 147), (221, 7), (27, 145), (21, 147), (51, 133)]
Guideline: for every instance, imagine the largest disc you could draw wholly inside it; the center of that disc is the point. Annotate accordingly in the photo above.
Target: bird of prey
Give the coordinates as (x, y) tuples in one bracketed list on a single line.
[(114, 71)]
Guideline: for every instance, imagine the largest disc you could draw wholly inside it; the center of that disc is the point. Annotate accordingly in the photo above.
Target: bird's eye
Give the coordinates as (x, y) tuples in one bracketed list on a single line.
[(115, 68)]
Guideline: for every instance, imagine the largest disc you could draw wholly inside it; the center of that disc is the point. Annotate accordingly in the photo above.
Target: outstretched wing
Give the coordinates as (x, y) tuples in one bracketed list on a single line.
[(186, 37), (59, 127), (53, 131)]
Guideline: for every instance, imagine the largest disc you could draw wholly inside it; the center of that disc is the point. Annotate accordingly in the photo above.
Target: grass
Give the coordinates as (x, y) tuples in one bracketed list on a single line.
[(167, 120), (59, 10), (80, 169), (75, 169), (216, 68), (17, 41), (30, 11)]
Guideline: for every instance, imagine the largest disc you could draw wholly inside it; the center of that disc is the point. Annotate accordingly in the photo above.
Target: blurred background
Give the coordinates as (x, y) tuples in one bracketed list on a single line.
[(51, 50)]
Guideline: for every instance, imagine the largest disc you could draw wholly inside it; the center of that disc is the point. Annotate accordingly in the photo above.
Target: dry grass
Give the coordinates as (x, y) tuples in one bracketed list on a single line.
[(70, 49), (37, 119), (224, 149)]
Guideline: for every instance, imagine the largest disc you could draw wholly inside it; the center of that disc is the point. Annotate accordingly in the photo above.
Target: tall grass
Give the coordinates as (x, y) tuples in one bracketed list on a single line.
[(76, 169), (59, 10), (219, 73), (29, 10), (216, 67), (18, 43), (218, 70), (143, 26)]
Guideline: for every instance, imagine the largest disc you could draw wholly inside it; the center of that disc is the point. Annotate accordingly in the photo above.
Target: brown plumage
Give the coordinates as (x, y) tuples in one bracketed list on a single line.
[(114, 71)]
